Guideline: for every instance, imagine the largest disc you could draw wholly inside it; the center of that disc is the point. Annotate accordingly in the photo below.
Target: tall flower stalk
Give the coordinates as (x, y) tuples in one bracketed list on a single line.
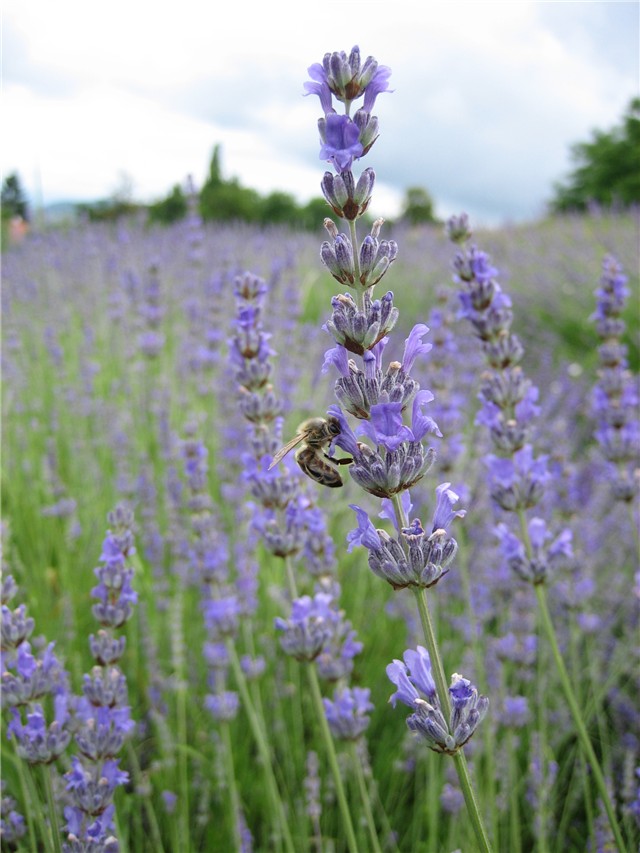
[(394, 459), (517, 477), (616, 394), (103, 716), (35, 689), (289, 525)]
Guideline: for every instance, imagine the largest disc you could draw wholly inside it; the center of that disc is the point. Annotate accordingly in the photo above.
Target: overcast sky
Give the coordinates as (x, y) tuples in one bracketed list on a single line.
[(488, 96)]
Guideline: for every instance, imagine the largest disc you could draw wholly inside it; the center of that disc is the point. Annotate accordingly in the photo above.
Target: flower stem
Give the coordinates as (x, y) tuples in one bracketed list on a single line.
[(134, 764), (333, 759), (581, 729), (364, 796), (178, 660), (583, 735), (262, 745), (29, 799), (459, 759), (53, 811), (634, 528), (291, 577), (234, 800)]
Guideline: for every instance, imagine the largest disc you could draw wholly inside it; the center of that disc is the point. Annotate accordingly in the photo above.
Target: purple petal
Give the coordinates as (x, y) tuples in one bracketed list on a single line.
[(414, 346)]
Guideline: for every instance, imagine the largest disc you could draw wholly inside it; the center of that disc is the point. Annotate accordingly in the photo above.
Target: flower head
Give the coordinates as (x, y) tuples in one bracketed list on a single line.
[(347, 713), (346, 78), (341, 141), (416, 688)]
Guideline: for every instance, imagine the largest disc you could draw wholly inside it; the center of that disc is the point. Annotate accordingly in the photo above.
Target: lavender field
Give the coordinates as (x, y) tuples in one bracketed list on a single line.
[(199, 649)]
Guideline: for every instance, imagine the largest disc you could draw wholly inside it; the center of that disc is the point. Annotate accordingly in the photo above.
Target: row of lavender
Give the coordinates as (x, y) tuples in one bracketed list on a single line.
[(120, 383)]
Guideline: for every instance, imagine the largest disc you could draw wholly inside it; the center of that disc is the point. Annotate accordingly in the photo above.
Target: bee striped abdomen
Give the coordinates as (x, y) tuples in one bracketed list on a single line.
[(318, 467)]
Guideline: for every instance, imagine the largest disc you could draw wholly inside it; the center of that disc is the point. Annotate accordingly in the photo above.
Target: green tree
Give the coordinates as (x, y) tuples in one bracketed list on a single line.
[(607, 168), (14, 201), (169, 209), (314, 213), (279, 208), (225, 201), (417, 207)]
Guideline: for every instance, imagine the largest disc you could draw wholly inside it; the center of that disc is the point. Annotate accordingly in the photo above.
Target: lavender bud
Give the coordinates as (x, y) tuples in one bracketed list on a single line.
[(16, 626), (340, 192), (105, 649), (364, 189)]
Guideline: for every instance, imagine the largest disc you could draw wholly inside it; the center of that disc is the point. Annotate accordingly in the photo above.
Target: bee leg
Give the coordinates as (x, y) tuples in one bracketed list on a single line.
[(346, 461)]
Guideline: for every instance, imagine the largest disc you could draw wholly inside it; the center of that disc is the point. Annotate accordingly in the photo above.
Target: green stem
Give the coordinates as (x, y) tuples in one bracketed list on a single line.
[(54, 827), (542, 801), (364, 796), (515, 829), (291, 577), (331, 755), (136, 772), (569, 693), (32, 813), (181, 712), (262, 745), (581, 729), (634, 528), (459, 759), (234, 800), (488, 733)]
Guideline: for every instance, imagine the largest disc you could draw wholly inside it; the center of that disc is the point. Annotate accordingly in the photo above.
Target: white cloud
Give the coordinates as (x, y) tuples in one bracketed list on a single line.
[(488, 97)]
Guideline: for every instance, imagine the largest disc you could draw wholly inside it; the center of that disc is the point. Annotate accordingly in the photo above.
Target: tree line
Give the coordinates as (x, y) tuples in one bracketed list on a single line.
[(606, 171)]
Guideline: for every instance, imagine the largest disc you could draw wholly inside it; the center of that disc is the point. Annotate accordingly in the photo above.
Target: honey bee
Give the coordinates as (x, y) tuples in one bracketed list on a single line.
[(314, 434)]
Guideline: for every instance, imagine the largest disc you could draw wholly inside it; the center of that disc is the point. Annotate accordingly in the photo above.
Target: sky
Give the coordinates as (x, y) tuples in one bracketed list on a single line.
[(488, 96)]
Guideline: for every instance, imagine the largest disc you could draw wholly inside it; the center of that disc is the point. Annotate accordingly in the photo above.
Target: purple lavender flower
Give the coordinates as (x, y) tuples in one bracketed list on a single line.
[(102, 715), (16, 626), (169, 800), (375, 258), (37, 741), (543, 557), (28, 678), (451, 799), (114, 592), (516, 712), (385, 426), (517, 482), (335, 661), (340, 138), (399, 460), (222, 616), (347, 713), (12, 823), (359, 389), (416, 689), (413, 558), (344, 77), (309, 627), (223, 706), (348, 199), (616, 396)]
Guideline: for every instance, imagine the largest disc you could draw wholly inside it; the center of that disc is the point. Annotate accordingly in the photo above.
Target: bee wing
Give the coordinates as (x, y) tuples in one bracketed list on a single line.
[(280, 454)]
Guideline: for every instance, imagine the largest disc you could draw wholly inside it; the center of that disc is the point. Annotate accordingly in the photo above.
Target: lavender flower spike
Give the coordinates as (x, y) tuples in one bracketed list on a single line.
[(309, 628), (347, 713), (413, 558), (416, 689), (345, 78), (616, 395)]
